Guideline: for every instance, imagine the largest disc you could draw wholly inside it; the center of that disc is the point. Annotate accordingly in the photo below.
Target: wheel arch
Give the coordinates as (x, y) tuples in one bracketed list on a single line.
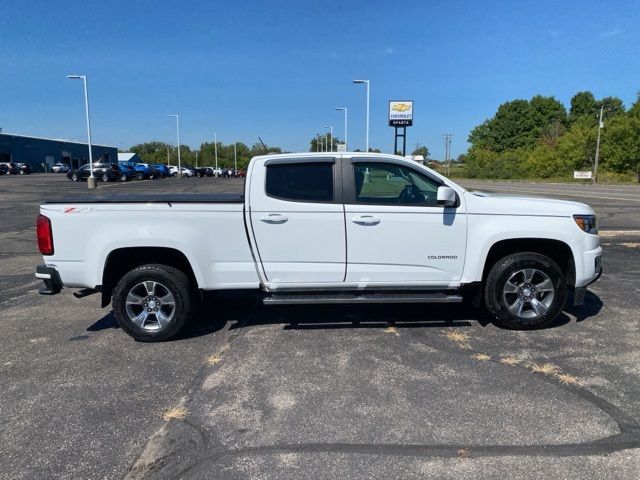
[(557, 250), (122, 260)]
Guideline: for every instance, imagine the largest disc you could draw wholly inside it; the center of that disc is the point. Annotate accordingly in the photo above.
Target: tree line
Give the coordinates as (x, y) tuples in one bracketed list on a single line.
[(165, 153), (540, 138)]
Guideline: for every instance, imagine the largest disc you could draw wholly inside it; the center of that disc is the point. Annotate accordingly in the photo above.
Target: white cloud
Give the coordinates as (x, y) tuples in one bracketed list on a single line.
[(610, 33)]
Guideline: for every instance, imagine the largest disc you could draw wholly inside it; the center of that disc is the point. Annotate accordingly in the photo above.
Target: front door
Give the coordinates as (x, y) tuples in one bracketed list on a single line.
[(297, 220), (396, 232)]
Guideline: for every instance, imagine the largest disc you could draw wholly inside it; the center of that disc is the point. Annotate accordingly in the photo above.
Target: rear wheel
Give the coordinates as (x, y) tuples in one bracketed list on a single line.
[(153, 302), (525, 291), (123, 177), (139, 176), (75, 177), (104, 177)]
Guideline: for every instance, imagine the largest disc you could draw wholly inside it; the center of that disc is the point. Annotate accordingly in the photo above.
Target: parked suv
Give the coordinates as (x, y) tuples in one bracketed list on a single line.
[(102, 171), (11, 167)]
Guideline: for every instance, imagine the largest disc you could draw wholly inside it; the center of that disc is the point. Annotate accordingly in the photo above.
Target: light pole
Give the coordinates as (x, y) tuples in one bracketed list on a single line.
[(215, 150), (597, 159), (178, 133), (344, 109), (91, 181), (330, 127), (368, 85), (326, 144), (196, 159)]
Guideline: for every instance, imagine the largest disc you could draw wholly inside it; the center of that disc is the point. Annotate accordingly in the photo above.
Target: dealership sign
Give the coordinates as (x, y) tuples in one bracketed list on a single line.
[(585, 175), (400, 113)]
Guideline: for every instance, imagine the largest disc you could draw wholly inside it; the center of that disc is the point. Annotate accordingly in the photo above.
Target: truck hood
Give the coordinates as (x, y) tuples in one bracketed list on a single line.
[(509, 204)]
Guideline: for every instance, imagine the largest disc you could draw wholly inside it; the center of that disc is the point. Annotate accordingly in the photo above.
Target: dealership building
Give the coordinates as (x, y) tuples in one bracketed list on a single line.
[(42, 153)]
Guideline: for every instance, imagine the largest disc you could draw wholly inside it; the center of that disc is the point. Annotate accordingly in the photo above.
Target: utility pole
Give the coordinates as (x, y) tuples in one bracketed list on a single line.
[(215, 149), (168, 158), (196, 159), (235, 159), (447, 152), (595, 165)]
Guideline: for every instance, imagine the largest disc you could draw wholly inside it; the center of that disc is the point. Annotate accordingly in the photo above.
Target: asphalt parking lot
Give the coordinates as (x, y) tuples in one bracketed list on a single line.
[(318, 392)]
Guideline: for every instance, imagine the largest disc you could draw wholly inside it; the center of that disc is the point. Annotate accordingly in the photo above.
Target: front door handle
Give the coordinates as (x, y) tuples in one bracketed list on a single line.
[(366, 220), (274, 218)]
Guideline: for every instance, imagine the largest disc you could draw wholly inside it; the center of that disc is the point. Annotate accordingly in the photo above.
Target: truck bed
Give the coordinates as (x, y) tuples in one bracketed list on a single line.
[(151, 198)]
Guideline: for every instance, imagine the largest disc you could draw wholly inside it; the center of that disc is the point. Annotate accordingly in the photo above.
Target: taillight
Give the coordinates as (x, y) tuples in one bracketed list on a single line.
[(45, 235)]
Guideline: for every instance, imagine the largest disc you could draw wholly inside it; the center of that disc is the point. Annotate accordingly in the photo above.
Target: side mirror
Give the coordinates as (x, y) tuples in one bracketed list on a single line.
[(446, 196)]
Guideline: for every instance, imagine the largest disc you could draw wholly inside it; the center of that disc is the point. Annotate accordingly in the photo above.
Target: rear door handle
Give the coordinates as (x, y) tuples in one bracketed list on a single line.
[(366, 220), (274, 218)]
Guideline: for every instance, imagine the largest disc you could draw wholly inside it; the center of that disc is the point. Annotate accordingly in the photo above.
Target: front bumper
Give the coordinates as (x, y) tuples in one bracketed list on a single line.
[(51, 279), (580, 292)]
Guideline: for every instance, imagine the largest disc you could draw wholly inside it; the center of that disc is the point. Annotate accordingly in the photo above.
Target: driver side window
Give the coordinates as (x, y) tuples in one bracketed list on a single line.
[(391, 184)]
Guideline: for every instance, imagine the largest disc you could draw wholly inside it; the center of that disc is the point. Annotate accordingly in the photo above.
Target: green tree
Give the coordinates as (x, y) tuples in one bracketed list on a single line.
[(620, 145), (582, 104), (317, 144), (421, 150), (612, 106)]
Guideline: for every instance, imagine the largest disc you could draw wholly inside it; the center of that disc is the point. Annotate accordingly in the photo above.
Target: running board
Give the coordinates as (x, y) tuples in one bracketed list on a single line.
[(337, 298)]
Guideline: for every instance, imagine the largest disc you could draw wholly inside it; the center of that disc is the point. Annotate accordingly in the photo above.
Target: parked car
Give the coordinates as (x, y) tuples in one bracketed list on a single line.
[(356, 228), (202, 172), (23, 168), (102, 171), (60, 168), (127, 172), (241, 173), (142, 169), (185, 171), (163, 169), (12, 168), (4, 170)]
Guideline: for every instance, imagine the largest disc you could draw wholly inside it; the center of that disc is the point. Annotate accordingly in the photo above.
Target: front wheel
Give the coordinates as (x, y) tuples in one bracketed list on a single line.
[(104, 177), (139, 176), (75, 177), (153, 302), (525, 291)]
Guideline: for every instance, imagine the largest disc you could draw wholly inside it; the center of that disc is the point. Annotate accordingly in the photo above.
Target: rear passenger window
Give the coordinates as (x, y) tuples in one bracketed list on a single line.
[(302, 182)]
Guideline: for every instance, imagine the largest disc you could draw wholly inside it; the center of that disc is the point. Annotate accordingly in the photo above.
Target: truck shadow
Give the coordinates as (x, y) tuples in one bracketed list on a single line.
[(240, 310)]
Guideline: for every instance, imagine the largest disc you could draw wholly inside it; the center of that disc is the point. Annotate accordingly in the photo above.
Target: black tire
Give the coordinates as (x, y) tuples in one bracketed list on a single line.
[(496, 300), (123, 178), (139, 176), (21, 172), (170, 278), (74, 177), (104, 177)]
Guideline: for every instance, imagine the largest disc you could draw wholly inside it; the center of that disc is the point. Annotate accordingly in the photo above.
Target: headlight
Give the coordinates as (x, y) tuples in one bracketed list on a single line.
[(587, 223)]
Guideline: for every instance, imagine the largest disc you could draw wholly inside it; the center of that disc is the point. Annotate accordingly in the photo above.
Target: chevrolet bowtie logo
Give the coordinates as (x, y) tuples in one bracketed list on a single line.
[(401, 107)]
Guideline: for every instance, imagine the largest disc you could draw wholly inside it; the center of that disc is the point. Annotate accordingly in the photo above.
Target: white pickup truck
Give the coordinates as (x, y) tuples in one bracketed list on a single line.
[(321, 228)]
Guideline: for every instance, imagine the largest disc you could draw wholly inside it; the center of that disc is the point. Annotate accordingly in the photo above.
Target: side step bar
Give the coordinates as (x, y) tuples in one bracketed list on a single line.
[(337, 298)]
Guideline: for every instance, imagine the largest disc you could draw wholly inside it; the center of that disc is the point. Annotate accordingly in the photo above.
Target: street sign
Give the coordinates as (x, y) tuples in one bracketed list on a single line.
[(341, 147), (585, 175), (400, 113)]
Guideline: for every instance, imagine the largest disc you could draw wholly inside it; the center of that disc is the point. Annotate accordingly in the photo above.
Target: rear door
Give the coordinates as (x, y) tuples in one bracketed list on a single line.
[(297, 218)]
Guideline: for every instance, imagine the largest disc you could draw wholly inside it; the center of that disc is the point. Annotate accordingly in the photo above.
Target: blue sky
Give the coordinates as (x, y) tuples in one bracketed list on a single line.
[(278, 69)]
